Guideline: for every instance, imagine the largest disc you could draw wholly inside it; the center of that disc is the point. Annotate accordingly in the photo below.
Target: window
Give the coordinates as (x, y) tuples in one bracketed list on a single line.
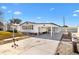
[(24, 27), (29, 27)]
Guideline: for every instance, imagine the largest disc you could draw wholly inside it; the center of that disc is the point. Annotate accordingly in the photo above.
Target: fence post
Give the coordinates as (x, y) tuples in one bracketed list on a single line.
[(74, 43)]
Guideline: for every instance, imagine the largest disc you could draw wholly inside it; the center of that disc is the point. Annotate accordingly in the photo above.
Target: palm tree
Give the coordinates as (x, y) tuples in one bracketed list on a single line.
[(15, 21)]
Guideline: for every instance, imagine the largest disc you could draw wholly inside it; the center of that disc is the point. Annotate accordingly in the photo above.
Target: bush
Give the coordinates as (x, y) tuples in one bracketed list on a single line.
[(1, 29), (15, 31)]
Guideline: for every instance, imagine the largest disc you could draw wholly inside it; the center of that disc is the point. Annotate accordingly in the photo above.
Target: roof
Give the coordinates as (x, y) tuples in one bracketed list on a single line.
[(49, 23), (27, 22)]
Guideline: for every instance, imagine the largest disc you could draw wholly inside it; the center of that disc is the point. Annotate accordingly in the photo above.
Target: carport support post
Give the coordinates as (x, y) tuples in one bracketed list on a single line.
[(51, 31)]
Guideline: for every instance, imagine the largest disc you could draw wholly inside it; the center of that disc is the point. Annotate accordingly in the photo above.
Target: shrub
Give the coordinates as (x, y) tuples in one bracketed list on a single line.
[(15, 31), (1, 29)]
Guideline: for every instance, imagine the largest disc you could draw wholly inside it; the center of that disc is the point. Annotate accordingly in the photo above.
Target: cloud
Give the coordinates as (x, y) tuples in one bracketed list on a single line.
[(38, 17), (17, 12), (3, 7), (76, 11), (9, 11), (51, 9), (75, 15)]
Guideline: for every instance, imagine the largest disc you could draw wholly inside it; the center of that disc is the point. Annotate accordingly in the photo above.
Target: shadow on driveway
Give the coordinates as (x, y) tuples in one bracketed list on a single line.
[(55, 36)]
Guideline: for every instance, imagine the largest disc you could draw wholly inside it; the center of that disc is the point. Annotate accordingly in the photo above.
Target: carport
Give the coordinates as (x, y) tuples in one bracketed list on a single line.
[(47, 28)]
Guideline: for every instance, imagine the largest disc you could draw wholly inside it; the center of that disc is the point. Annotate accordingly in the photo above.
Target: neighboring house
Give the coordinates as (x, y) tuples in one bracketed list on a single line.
[(1, 26), (5, 26), (11, 26), (72, 29), (39, 28)]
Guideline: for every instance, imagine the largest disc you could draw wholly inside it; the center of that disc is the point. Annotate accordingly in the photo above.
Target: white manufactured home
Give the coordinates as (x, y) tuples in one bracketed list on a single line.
[(39, 28)]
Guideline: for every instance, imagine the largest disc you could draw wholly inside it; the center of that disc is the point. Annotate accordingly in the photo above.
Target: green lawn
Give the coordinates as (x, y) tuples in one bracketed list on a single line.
[(6, 35)]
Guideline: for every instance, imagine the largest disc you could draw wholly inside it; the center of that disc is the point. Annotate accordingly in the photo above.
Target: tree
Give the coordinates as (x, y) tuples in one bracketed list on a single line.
[(1, 20), (17, 21), (1, 15)]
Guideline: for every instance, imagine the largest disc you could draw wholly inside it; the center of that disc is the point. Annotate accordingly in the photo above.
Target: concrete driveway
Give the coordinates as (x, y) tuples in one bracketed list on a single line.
[(30, 46)]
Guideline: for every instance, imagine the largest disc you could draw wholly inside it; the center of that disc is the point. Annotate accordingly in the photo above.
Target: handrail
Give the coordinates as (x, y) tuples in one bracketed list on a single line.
[(57, 53)]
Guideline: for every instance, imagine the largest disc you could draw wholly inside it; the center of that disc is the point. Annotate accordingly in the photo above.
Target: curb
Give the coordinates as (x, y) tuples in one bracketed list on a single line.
[(11, 40)]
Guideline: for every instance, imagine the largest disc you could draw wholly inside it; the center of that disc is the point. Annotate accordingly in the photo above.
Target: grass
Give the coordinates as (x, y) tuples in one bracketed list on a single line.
[(6, 35)]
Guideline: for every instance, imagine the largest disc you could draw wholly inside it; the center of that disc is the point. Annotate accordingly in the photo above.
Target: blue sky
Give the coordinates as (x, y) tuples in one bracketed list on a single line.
[(43, 12)]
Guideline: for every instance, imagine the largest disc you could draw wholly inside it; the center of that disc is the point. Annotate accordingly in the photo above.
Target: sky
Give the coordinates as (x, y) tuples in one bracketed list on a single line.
[(42, 12)]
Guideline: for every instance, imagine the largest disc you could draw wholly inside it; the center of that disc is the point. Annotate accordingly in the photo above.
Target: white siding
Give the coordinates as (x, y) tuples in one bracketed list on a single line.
[(36, 28)]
